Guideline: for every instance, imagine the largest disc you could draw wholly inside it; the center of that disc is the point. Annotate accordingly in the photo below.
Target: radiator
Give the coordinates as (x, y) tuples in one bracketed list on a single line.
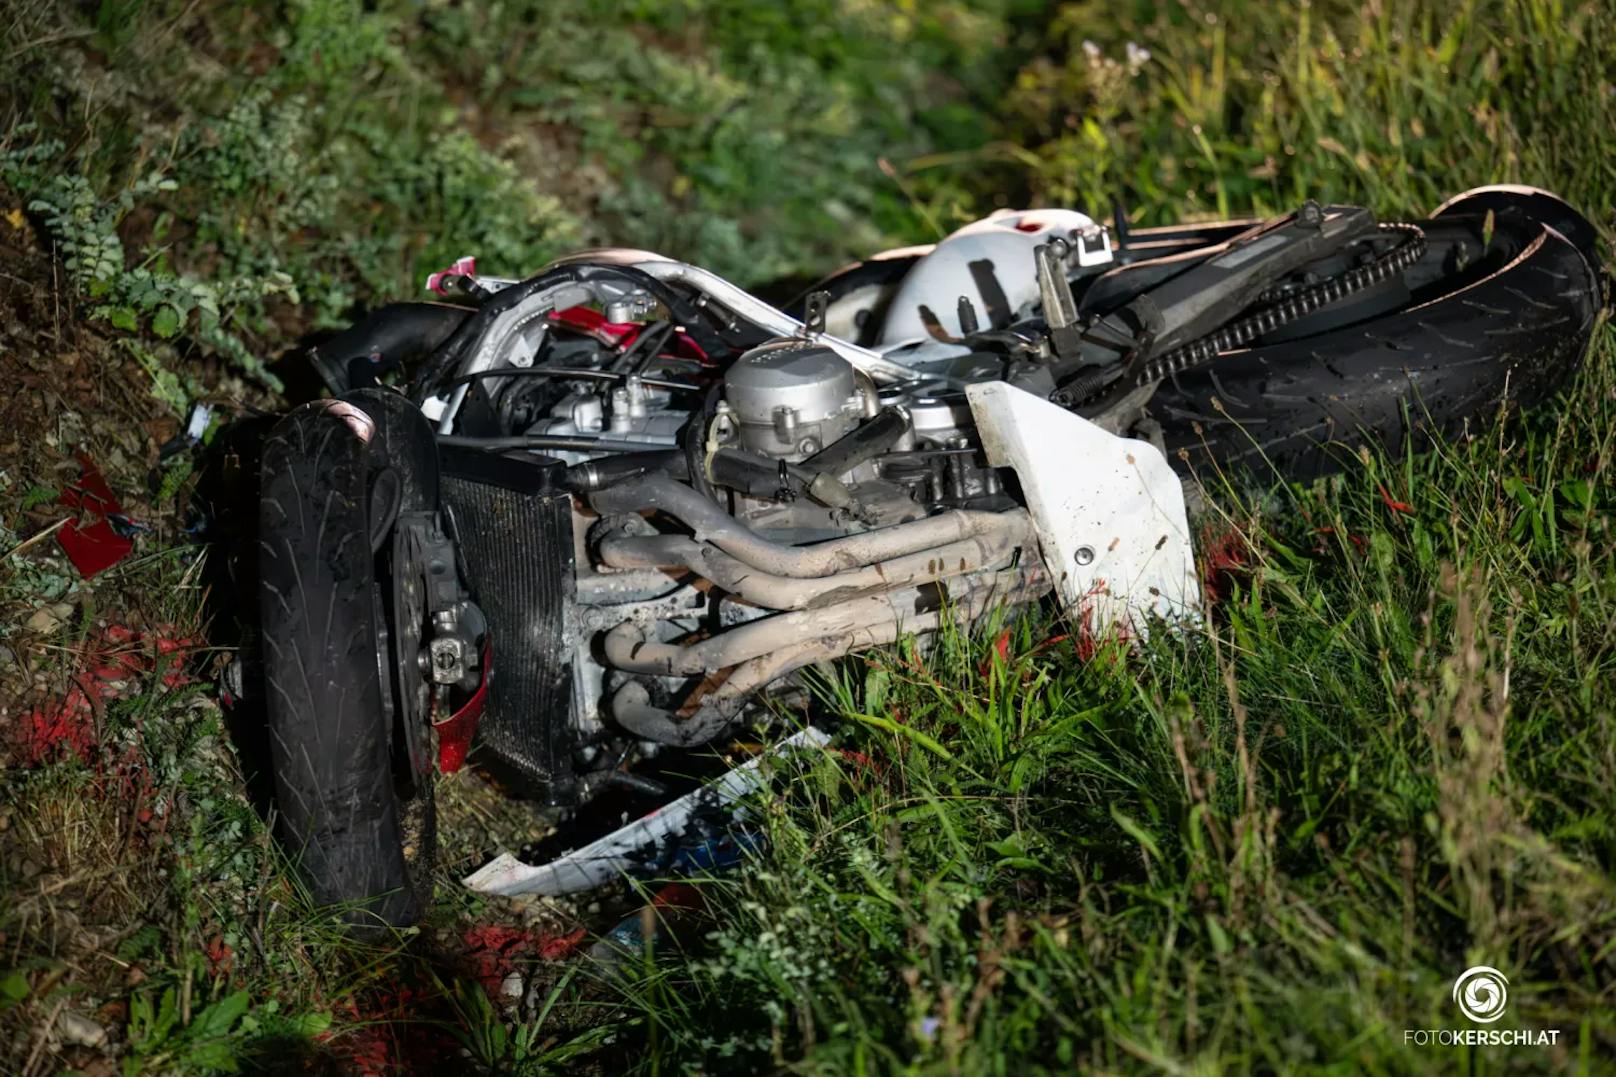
[(513, 523)]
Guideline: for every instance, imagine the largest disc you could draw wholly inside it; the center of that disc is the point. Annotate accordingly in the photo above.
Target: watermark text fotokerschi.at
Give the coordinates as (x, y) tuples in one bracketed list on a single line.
[(1482, 1037), (1482, 994)]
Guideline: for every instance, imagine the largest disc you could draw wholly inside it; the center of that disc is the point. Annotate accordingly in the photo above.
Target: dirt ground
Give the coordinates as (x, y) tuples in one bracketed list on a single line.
[(99, 863)]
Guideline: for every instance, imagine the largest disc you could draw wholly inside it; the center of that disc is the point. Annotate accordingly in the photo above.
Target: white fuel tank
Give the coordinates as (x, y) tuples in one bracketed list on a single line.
[(990, 262)]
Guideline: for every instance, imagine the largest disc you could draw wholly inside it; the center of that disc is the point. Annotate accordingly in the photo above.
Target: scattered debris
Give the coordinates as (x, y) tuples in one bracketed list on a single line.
[(1392, 503), (1226, 560), (48, 619), (634, 845), (495, 950), (631, 937), (77, 1030), (111, 660), (102, 535)]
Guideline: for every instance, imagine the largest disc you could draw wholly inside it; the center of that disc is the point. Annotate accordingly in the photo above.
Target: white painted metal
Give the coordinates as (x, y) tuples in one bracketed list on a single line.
[(1109, 511), (1006, 242)]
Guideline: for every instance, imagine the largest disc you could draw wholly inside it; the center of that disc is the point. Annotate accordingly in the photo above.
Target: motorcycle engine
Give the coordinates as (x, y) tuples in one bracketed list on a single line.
[(791, 397)]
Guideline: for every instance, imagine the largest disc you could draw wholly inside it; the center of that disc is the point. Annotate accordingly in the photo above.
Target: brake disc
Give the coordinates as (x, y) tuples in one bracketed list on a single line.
[(413, 692)]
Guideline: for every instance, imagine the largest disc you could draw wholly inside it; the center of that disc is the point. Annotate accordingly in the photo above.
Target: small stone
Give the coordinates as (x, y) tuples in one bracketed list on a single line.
[(79, 1031), (47, 619), (512, 987)]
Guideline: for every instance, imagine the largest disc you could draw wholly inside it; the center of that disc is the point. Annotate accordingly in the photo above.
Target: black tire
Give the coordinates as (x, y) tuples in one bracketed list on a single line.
[(1514, 326), (346, 814)]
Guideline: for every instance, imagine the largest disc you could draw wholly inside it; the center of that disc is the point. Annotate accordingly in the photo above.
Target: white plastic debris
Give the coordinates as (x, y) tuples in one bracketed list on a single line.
[(622, 850)]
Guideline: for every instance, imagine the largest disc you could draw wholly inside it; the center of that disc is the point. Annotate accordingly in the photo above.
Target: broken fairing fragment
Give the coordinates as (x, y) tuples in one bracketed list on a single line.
[(619, 852), (1109, 511)]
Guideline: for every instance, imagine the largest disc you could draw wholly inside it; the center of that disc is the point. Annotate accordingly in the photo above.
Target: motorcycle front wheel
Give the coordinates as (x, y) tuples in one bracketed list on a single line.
[(353, 781)]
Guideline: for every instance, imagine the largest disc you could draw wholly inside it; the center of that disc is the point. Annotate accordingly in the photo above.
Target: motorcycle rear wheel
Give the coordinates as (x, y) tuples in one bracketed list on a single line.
[(1511, 326)]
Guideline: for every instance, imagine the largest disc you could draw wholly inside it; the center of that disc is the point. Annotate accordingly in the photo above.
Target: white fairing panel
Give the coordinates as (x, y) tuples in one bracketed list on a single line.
[(634, 845), (1000, 246), (1109, 511)]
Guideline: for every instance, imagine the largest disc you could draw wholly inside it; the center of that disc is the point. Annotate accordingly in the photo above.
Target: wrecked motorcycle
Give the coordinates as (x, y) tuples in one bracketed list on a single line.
[(599, 515)]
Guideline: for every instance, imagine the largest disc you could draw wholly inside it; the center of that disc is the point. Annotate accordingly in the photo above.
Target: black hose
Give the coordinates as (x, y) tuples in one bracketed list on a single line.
[(758, 476), (864, 442), (637, 783), (398, 333), (646, 347), (597, 474)]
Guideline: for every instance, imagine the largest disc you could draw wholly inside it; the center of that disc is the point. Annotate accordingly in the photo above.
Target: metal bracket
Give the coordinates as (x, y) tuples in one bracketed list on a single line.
[(815, 311), (1094, 247)]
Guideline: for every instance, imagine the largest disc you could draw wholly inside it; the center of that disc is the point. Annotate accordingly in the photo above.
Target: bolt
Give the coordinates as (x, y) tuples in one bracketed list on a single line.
[(1085, 555)]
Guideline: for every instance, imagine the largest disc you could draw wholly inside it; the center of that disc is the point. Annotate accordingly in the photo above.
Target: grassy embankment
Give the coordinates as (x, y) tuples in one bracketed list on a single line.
[(1390, 756)]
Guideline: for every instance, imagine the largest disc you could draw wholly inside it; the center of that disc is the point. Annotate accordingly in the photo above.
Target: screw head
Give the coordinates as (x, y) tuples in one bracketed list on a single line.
[(1084, 555)]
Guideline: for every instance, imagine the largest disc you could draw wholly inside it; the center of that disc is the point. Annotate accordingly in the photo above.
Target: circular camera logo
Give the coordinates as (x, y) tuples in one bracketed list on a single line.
[(1482, 992)]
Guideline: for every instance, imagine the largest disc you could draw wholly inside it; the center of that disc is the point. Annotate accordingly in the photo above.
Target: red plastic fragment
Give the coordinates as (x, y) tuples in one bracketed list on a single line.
[(856, 757), (455, 733), (90, 542), (1226, 557), (112, 661), (557, 947), (382, 1033), (1357, 540), (56, 730), (1395, 506), (1001, 647), (495, 950), (220, 957)]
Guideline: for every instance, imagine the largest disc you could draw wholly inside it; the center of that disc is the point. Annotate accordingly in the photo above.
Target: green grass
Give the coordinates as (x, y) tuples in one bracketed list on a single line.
[(1268, 845)]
